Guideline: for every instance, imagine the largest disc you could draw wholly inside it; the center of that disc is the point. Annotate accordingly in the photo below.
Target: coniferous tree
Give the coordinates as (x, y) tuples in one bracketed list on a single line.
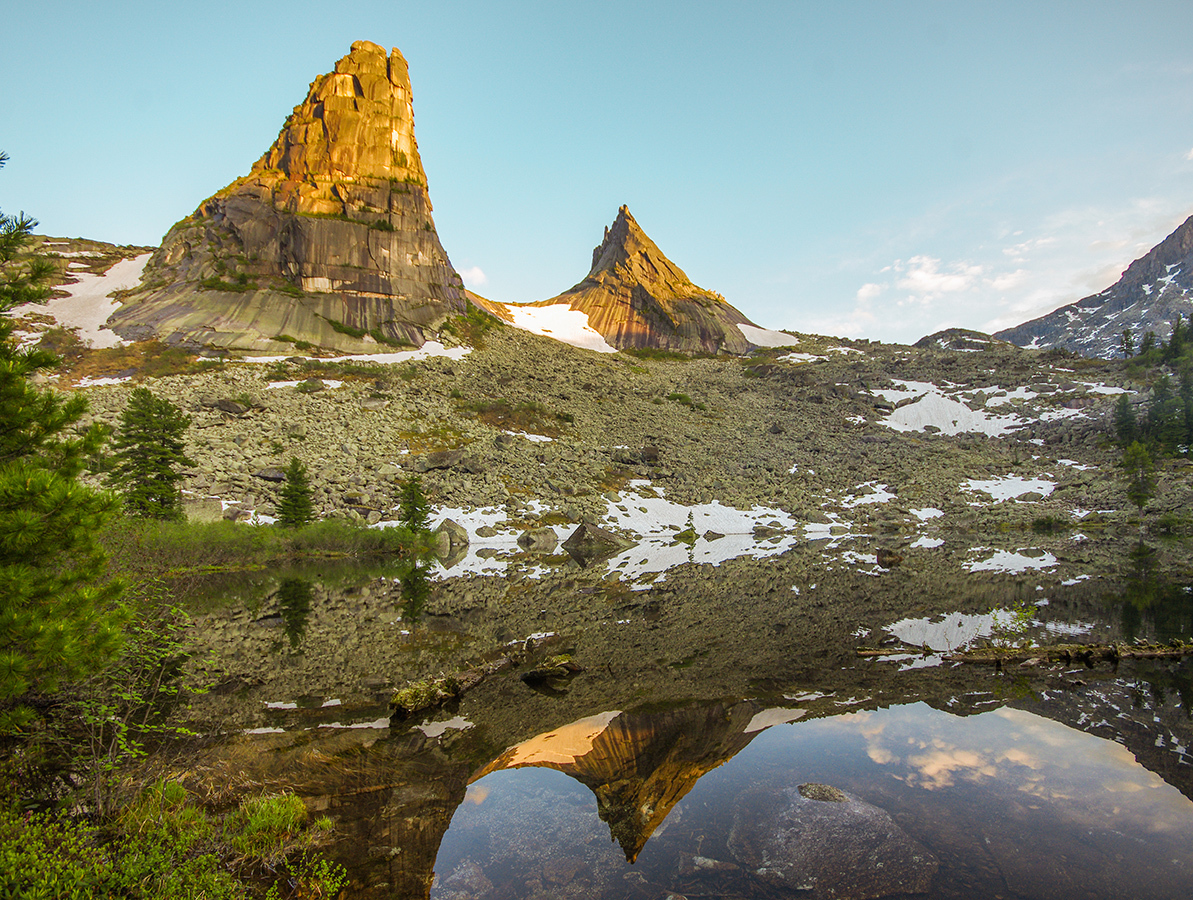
[(1186, 394), (1176, 340), (413, 510), (59, 619), (295, 506), (149, 450), (1140, 472), (1126, 428), (1127, 345), (24, 277), (1165, 424)]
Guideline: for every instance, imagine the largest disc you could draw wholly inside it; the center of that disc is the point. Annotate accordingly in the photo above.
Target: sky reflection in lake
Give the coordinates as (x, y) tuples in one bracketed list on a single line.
[(998, 803)]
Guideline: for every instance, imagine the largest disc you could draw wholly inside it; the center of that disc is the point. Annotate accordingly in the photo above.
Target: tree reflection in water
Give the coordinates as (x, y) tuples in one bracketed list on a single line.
[(294, 598)]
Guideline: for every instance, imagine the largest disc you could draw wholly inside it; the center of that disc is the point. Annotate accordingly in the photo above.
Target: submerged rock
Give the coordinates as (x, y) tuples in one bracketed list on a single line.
[(820, 839)]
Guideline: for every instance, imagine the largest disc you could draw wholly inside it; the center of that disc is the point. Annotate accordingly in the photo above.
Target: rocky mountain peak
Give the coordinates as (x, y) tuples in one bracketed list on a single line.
[(627, 252), (1152, 291), (636, 297), (357, 122), (327, 240)]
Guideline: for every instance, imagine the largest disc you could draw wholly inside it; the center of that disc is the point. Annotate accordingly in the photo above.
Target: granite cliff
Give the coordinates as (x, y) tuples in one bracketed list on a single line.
[(635, 297), (328, 240), (1150, 294)]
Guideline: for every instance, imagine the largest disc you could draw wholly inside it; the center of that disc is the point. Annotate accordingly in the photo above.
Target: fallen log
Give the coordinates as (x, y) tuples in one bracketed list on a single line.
[(1069, 654)]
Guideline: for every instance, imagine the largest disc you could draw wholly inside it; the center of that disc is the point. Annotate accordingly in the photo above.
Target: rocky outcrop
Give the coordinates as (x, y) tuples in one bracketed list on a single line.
[(328, 240), (635, 297), (1150, 294), (960, 339)]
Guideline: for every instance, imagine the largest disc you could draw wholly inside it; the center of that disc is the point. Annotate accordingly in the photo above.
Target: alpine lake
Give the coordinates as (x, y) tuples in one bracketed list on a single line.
[(724, 736)]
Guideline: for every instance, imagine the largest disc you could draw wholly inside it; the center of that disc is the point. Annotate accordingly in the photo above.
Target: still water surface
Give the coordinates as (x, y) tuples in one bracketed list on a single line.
[(999, 803), (723, 740)]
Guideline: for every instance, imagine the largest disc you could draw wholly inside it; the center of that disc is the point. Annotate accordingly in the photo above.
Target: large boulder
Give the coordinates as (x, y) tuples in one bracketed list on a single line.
[(538, 540), (589, 542)]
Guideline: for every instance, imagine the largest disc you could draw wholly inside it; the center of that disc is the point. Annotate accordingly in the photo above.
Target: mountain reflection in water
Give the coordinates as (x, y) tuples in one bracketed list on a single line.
[(723, 739), (993, 804)]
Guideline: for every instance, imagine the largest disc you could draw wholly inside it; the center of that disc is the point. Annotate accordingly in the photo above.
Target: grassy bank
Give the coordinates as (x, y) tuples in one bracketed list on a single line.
[(142, 549)]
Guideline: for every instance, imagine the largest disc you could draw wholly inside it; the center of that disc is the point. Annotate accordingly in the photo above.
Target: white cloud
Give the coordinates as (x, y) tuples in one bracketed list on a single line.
[(1008, 280), (1189, 155), (869, 291), (473, 276), (922, 276)]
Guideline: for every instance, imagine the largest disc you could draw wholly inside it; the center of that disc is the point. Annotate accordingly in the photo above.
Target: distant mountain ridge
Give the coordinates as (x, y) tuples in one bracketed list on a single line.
[(1148, 296)]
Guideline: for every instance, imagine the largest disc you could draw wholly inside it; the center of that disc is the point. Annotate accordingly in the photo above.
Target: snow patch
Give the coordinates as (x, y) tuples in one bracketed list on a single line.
[(1008, 562), (560, 322), (426, 351), (88, 306), (1007, 487), (764, 337)]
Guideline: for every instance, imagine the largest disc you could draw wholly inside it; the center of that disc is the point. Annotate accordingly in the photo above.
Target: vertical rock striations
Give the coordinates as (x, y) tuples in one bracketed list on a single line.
[(636, 297), (329, 238)]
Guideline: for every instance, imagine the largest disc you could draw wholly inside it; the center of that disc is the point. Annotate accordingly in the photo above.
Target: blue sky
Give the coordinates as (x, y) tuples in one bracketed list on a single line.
[(875, 170)]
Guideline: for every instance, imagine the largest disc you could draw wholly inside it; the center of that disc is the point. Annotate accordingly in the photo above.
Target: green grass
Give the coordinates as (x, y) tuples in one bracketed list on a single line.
[(658, 353), (525, 416), (685, 400), (472, 326), (143, 549), (143, 359), (241, 285)]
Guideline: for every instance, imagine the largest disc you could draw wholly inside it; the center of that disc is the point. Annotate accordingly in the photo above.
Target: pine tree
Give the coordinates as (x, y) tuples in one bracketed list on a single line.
[(59, 619), (1165, 423), (413, 510), (295, 506), (149, 450), (1186, 394), (1127, 344), (24, 277), (1126, 428), (1140, 472)]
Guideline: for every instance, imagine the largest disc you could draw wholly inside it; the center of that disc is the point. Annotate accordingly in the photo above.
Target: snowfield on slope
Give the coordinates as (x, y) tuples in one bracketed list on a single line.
[(89, 305)]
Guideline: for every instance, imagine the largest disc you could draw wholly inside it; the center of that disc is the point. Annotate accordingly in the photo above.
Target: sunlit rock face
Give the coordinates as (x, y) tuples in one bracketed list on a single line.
[(635, 297), (639, 764), (1151, 293), (329, 238)]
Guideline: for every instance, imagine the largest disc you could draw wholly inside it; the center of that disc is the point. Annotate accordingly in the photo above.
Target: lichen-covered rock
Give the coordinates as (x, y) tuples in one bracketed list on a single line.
[(328, 240), (538, 540)]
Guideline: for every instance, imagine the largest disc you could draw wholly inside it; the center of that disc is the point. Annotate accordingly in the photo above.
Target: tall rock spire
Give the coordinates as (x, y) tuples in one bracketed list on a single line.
[(328, 239), (636, 297)]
